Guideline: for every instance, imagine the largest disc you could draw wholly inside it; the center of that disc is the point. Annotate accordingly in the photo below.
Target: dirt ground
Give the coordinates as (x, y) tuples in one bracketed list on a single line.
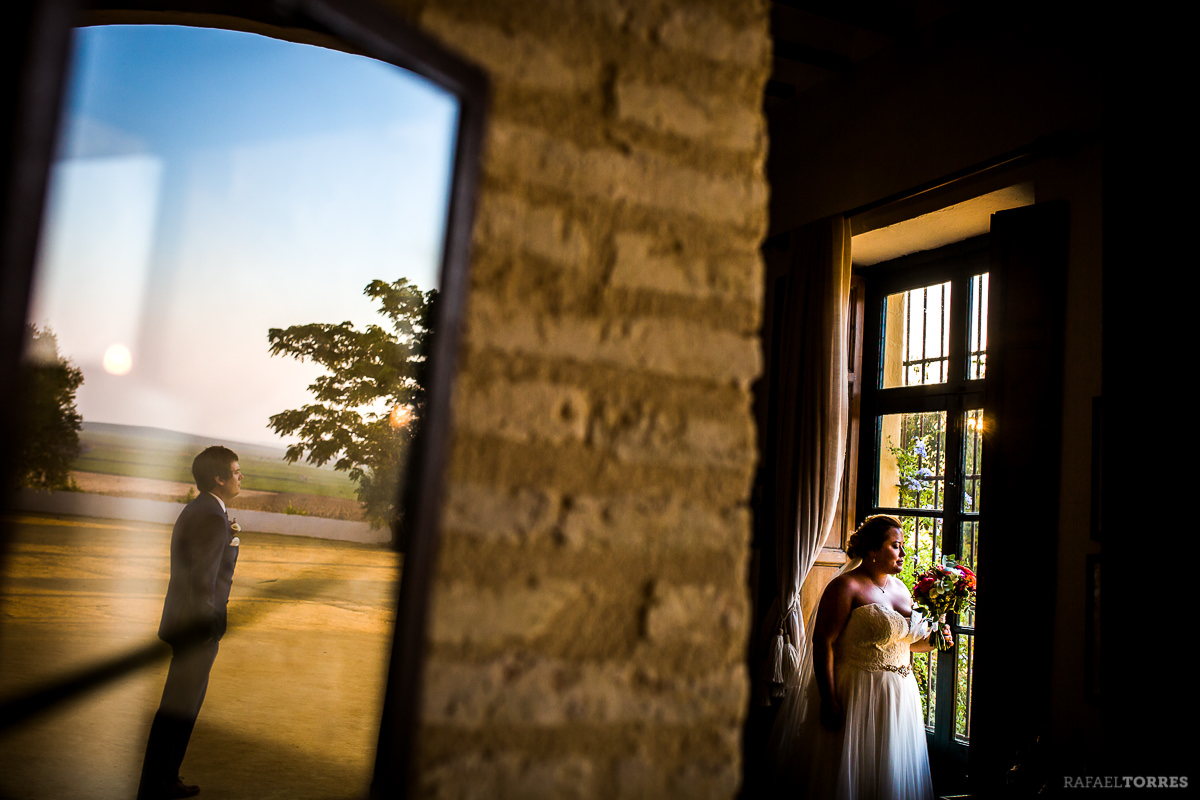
[(172, 491), (293, 705)]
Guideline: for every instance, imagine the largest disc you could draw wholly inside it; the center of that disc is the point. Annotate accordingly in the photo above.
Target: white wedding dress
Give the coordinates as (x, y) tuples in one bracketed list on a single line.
[(880, 751)]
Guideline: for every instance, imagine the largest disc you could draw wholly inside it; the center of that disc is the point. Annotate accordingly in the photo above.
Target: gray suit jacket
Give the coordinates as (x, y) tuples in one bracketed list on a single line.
[(202, 563)]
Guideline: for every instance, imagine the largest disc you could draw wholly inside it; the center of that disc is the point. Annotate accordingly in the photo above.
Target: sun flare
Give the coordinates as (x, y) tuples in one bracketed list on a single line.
[(117, 360)]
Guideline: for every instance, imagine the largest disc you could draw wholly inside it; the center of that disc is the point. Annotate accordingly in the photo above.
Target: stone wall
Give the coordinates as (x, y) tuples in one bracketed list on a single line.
[(591, 613)]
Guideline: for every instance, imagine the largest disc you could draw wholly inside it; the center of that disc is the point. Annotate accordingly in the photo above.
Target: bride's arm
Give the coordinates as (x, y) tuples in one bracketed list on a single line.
[(832, 614), (921, 645), (925, 643)]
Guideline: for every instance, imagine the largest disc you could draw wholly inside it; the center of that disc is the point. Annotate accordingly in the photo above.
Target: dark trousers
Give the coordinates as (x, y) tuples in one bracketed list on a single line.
[(187, 681)]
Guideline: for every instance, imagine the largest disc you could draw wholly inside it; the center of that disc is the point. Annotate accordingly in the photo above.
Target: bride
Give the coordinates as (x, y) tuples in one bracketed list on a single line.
[(851, 727)]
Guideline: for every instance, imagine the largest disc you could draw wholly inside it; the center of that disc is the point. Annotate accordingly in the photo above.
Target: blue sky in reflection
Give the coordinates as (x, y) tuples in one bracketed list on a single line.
[(213, 184)]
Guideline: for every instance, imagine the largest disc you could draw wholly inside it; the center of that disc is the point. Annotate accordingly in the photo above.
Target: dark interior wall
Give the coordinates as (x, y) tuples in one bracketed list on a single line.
[(954, 95), (964, 93)]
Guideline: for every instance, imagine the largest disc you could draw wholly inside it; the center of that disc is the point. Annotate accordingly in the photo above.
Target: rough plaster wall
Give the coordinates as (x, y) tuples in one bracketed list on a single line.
[(591, 614)]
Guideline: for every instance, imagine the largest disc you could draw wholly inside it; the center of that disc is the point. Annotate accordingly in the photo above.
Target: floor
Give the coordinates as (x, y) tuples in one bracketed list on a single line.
[(292, 706)]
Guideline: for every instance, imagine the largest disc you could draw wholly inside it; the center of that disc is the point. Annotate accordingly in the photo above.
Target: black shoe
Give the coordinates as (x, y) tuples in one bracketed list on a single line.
[(181, 790)]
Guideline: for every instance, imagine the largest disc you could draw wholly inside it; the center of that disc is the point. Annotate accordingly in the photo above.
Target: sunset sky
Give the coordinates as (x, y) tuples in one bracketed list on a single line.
[(212, 185)]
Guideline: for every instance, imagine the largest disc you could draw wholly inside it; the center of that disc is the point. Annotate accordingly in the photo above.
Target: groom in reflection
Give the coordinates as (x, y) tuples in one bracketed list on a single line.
[(204, 551)]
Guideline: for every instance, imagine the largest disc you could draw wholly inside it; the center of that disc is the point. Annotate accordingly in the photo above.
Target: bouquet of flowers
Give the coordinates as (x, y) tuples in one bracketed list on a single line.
[(947, 588)]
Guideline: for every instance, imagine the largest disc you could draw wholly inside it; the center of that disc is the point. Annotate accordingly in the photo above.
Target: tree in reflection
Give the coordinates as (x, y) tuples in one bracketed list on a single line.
[(48, 436), (368, 403)]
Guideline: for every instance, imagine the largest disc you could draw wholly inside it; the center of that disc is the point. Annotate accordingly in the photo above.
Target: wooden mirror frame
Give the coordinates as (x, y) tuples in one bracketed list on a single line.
[(36, 45)]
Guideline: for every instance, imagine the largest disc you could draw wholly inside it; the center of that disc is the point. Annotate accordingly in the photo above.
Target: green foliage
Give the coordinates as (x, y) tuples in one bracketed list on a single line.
[(294, 510), (48, 440), (925, 669), (369, 374), (916, 491)]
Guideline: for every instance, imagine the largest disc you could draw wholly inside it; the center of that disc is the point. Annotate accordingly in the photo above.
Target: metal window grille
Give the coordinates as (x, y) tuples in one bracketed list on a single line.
[(926, 334), (928, 452)]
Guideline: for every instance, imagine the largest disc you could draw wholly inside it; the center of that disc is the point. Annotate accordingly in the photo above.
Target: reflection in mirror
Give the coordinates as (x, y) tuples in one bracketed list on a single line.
[(241, 247)]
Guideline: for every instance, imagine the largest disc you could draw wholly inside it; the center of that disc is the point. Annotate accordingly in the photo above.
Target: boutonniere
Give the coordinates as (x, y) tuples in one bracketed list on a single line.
[(235, 541)]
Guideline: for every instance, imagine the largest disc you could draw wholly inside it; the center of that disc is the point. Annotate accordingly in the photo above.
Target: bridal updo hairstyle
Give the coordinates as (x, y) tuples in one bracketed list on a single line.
[(870, 535)]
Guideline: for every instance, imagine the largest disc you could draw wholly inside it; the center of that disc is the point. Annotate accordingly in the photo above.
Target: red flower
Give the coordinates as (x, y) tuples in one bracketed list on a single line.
[(955, 587)]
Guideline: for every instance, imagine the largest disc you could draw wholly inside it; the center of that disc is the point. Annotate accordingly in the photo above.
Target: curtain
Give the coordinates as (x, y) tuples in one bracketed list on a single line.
[(810, 410)]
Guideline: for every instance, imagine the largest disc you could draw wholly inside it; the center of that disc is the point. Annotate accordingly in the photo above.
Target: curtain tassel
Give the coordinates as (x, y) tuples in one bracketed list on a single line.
[(784, 661)]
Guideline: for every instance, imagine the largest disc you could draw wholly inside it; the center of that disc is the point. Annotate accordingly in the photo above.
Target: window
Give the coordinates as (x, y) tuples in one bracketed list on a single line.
[(33, 77), (921, 438)]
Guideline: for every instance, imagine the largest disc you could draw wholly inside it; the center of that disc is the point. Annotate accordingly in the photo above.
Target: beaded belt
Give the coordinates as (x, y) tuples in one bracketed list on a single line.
[(903, 670)]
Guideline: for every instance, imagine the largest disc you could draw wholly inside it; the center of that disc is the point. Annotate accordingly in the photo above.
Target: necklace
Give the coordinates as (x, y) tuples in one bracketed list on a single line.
[(883, 588)]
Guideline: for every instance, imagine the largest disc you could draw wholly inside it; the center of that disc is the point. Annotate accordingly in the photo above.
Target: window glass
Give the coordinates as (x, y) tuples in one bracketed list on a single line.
[(964, 674), (972, 459), (930, 481), (916, 337), (977, 332), (912, 460), (926, 669), (242, 240), (212, 185)]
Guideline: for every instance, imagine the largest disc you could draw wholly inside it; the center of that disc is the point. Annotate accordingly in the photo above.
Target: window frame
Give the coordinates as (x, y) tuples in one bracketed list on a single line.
[(33, 82), (957, 264)]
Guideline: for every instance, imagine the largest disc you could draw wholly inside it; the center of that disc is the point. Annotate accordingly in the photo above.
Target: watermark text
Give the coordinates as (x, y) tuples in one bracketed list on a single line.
[(1125, 782)]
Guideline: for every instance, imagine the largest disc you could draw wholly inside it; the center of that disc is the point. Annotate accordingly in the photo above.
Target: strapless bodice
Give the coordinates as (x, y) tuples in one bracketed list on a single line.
[(876, 638)]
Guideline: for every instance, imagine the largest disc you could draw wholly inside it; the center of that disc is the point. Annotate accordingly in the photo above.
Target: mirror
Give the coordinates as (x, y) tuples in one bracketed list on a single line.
[(256, 243)]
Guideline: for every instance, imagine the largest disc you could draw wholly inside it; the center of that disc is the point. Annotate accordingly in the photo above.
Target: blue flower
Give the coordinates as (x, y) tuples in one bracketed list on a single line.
[(925, 473), (919, 448)]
